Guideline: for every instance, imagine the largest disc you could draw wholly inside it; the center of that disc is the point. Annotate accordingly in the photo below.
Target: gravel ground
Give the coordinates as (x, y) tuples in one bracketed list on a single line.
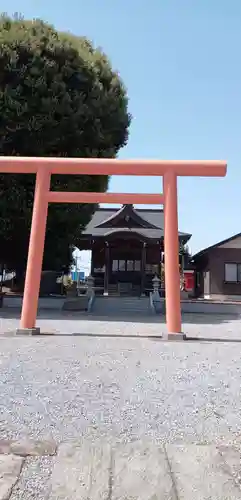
[(120, 389)]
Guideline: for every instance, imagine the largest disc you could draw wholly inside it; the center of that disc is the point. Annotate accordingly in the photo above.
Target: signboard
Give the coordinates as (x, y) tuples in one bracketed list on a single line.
[(189, 280)]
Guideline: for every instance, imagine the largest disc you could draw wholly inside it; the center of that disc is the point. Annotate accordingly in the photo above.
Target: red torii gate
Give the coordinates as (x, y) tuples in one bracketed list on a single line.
[(45, 167)]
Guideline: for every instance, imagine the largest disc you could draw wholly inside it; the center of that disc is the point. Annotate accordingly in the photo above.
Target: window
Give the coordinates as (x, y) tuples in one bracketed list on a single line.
[(232, 273), (130, 265), (122, 265), (126, 265), (137, 265), (115, 265)]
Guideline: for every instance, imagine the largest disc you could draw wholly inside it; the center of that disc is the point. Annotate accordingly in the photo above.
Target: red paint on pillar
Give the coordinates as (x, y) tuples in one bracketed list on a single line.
[(171, 245), (36, 250)]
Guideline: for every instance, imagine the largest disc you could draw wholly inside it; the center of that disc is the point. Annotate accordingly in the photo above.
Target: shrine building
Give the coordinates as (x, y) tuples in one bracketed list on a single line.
[(127, 246)]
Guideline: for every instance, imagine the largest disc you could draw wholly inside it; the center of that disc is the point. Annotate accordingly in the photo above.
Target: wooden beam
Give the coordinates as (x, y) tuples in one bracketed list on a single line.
[(100, 166), (118, 198)]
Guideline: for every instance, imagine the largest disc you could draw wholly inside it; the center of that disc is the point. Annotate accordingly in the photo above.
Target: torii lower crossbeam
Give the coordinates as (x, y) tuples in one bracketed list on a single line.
[(44, 167)]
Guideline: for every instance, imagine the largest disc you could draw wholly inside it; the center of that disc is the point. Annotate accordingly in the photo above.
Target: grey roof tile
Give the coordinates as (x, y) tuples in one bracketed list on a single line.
[(152, 216)]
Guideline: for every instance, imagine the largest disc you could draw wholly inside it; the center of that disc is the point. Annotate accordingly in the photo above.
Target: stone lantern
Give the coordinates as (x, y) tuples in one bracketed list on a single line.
[(156, 284), (90, 286)]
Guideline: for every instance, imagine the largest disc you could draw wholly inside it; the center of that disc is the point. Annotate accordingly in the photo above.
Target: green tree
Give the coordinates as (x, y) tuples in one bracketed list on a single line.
[(58, 97)]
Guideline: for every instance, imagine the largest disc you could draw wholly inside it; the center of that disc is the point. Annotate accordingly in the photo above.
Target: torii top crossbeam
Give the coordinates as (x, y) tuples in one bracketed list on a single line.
[(99, 166)]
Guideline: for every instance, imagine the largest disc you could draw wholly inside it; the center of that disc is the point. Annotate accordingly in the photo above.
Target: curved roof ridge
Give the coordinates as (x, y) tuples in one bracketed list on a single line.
[(130, 211), (113, 216)]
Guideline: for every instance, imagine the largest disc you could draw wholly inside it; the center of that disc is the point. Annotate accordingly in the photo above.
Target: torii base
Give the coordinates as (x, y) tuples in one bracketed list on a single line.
[(175, 337), (28, 331)]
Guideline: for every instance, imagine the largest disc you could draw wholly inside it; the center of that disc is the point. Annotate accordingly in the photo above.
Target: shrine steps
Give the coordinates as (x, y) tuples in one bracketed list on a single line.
[(126, 289), (121, 306)]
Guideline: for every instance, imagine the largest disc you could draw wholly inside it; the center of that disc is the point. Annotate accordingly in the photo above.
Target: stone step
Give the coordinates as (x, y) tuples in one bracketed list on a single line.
[(120, 301), (121, 306), (121, 298), (120, 311)]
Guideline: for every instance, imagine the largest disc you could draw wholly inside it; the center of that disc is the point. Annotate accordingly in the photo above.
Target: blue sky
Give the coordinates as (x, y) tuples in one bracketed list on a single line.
[(180, 61)]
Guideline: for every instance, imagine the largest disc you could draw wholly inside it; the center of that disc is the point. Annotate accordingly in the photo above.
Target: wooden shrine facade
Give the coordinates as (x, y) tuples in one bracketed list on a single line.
[(127, 245)]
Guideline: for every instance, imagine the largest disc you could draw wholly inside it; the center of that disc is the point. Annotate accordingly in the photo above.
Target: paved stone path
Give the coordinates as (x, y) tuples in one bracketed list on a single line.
[(209, 326), (136, 471)]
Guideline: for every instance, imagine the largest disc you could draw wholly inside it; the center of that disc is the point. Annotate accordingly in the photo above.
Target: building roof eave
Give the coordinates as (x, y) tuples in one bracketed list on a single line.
[(212, 247), (184, 237), (86, 240)]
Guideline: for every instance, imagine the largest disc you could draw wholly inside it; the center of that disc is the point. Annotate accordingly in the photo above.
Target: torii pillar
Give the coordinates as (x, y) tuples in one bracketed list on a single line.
[(171, 252)]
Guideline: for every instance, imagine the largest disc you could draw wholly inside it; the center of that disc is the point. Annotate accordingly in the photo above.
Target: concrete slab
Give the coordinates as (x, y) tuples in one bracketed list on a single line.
[(232, 458), (141, 472), (81, 471), (201, 473), (10, 468)]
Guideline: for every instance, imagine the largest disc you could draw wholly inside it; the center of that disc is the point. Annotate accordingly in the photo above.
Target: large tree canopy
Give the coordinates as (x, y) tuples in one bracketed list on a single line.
[(58, 97)]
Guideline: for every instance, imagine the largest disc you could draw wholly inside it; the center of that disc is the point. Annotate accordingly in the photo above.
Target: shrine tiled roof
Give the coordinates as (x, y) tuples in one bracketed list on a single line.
[(145, 222)]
